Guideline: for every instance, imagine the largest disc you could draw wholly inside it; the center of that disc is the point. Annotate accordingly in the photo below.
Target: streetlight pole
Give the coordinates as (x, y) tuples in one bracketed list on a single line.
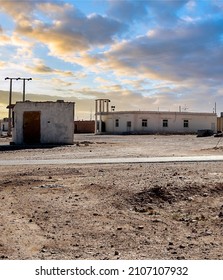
[(24, 87), (10, 106)]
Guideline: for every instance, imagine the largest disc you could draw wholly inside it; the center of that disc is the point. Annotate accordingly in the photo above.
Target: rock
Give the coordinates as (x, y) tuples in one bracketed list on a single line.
[(140, 227), (174, 253), (220, 215), (181, 258), (157, 221)]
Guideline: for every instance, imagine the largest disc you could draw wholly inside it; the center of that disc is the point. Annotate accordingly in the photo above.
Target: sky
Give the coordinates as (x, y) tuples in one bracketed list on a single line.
[(142, 55)]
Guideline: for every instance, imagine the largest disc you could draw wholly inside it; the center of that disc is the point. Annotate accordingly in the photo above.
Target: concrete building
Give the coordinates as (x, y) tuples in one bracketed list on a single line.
[(43, 122), (150, 122), (220, 123), (4, 126), (84, 126)]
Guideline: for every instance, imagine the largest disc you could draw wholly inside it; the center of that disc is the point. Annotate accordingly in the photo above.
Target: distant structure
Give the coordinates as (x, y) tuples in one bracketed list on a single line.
[(85, 126), (4, 123), (43, 123), (220, 123), (150, 122)]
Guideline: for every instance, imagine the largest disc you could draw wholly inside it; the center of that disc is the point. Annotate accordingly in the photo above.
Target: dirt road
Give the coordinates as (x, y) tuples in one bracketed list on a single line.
[(113, 211)]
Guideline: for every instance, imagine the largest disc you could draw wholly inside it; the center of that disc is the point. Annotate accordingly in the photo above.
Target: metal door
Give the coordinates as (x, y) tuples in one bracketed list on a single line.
[(31, 127)]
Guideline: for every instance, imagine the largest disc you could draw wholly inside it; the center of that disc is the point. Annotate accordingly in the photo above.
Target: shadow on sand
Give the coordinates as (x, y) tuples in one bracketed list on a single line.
[(10, 147)]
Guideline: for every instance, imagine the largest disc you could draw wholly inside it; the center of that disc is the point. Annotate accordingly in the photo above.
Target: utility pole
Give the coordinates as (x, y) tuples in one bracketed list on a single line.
[(10, 106), (24, 87)]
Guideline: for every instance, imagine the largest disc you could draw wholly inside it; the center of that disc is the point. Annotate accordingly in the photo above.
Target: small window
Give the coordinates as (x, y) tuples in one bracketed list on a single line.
[(117, 123), (129, 124), (144, 123), (165, 123), (186, 123)]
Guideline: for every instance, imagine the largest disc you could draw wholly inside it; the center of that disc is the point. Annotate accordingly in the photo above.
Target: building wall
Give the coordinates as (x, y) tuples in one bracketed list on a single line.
[(4, 124), (56, 121), (220, 124), (154, 121), (84, 126)]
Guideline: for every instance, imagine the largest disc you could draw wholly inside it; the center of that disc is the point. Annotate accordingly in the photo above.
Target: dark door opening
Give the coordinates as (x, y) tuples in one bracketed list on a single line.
[(31, 127), (103, 127)]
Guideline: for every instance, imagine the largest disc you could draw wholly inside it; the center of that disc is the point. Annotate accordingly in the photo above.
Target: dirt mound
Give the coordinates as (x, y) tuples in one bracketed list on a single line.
[(160, 195), (156, 194)]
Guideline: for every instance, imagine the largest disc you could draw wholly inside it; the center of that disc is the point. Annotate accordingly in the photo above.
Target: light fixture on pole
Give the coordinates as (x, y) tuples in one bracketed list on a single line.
[(24, 87)]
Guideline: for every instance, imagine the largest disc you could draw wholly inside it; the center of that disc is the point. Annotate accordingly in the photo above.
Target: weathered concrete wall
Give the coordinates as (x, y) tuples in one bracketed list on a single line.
[(84, 126), (56, 121), (4, 125), (220, 124), (154, 121)]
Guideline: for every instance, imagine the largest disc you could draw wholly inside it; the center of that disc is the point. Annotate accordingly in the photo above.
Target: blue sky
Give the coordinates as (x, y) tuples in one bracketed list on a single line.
[(142, 55)]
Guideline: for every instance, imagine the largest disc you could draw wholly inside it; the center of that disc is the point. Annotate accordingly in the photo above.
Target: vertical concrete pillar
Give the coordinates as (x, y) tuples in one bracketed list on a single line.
[(100, 120), (96, 115)]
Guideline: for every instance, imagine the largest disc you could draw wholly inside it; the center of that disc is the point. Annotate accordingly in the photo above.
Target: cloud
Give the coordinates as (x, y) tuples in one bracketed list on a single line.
[(186, 52), (39, 67), (65, 29), (128, 11), (4, 39), (166, 12), (2, 64)]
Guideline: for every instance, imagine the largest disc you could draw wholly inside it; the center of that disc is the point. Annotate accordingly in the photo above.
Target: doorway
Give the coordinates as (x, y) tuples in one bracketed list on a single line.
[(129, 126), (31, 127)]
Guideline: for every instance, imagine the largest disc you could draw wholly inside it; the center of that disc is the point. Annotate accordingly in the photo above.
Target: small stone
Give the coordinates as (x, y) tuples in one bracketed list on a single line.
[(157, 221), (140, 227), (220, 215)]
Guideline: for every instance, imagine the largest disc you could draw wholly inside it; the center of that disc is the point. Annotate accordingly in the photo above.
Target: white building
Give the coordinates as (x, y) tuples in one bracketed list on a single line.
[(149, 122), (43, 122), (4, 126)]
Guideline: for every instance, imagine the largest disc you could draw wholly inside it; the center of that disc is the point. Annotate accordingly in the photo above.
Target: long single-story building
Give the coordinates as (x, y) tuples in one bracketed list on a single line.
[(43, 122), (150, 122)]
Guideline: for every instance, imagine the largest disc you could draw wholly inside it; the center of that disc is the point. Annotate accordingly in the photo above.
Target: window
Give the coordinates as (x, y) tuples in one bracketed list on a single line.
[(144, 123), (165, 123), (117, 123), (129, 124), (186, 123)]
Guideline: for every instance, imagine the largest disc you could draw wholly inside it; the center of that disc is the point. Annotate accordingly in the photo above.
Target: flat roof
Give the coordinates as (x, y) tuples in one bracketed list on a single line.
[(158, 112)]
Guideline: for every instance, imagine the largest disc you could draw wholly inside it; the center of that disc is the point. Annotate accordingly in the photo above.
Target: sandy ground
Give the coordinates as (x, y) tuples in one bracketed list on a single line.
[(118, 211)]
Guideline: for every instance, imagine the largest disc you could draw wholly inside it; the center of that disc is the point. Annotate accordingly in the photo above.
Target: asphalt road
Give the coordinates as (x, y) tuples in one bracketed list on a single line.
[(111, 160)]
